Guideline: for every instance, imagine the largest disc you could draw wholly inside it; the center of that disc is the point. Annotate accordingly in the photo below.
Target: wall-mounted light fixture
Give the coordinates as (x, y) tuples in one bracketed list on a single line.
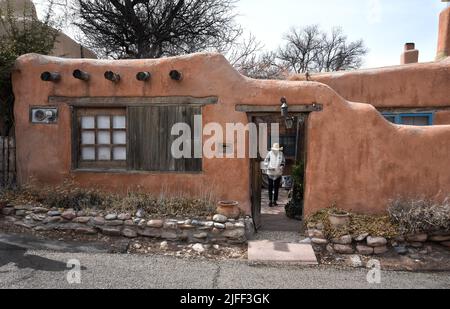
[(111, 76), (81, 75), (143, 76), (176, 75), (51, 77), (289, 120)]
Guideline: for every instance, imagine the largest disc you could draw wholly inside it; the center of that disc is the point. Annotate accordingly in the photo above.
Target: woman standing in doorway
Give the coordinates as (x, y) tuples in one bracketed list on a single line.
[(274, 163)]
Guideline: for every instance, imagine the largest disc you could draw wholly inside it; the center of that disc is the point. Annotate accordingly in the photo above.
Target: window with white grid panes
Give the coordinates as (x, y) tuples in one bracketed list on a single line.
[(102, 138)]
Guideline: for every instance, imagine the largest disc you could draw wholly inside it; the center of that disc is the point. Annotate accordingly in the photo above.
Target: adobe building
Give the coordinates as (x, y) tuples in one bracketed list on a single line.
[(96, 122), (64, 45)]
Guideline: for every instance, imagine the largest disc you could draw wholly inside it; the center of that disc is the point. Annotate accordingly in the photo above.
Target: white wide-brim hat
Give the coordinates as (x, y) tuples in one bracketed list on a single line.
[(277, 147)]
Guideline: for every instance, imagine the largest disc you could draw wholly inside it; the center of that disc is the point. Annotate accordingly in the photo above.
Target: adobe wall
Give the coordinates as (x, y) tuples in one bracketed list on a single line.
[(356, 159), (413, 85)]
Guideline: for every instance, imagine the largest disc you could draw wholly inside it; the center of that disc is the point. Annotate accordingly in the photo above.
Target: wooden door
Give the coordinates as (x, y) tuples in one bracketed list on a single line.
[(256, 185)]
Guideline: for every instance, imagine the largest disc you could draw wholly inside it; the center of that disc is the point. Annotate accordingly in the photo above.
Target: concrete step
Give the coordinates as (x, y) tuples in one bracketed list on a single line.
[(268, 252)]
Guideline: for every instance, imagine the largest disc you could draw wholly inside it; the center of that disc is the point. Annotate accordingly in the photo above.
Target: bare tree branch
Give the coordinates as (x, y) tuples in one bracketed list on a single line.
[(157, 28)]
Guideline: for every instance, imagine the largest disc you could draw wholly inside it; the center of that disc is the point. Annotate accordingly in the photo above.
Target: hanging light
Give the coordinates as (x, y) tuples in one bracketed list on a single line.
[(284, 107), (289, 121)]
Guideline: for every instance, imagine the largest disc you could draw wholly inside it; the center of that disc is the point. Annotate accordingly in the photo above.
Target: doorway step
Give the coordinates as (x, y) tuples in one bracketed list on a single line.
[(269, 252)]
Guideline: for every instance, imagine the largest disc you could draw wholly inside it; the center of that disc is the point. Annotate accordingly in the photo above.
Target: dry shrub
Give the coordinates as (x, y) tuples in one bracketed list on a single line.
[(375, 225), (69, 195), (420, 215), (164, 205)]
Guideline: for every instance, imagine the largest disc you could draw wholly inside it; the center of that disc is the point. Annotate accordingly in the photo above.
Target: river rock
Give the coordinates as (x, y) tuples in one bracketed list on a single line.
[(86, 230), (315, 234), (220, 218), (54, 213), (111, 231), (39, 210), (82, 220), (376, 241), (319, 241), (49, 220), (129, 233), (200, 235), (380, 250), (69, 215), (170, 225), (219, 226), (124, 216), (110, 217), (343, 249), (8, 211), (169, 235), (361, 237), (150, 232), (155, 223), (344, 240), (417, 238), (440, 238), (237, 233), (198, 248), (99, 221), (23, 207), (364, 250), (114, 223)]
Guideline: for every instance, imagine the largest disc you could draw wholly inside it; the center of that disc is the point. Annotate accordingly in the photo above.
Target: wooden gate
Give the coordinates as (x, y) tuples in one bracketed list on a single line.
[(256, 184), (7, 161)]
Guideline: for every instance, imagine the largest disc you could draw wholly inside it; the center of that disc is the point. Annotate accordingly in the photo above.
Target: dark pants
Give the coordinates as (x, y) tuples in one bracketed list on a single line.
[(274, 187)]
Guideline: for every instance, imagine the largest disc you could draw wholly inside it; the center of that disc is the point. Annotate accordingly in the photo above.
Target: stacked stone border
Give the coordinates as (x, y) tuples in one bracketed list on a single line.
[(219, 229), (366, 244)]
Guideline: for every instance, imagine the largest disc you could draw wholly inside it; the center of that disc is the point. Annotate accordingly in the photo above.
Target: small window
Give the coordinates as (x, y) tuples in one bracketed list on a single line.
[(101, 140), (415, 119)]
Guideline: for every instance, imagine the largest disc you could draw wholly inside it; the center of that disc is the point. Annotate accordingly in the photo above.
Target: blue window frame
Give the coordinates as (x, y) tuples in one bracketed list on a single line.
[(412, 119)]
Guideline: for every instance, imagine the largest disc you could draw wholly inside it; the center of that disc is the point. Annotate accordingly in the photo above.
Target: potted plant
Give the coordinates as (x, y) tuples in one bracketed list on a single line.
[(338, 218), (229, 209), (294, 207), (3, 204)]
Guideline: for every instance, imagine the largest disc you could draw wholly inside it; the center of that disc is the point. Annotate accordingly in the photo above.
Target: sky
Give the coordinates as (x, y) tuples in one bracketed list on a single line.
[(384, 25)]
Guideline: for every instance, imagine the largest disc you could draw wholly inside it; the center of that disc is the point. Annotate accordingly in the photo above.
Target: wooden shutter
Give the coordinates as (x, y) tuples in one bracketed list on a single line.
[(150, 139)]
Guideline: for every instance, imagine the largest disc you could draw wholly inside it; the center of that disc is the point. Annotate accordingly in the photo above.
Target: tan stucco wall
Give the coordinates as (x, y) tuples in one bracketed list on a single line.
[(412, 85), (356, 159)]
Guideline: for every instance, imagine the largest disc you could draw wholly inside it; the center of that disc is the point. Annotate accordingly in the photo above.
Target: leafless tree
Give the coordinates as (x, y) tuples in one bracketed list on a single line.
[(311, 50), (156, 28)]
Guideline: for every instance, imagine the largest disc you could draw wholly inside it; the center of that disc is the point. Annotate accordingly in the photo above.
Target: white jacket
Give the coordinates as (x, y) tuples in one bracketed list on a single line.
[(275, 163)]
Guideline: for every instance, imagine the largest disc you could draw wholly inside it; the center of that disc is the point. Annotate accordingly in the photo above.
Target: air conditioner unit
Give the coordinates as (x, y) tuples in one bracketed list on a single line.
[(44, 115)]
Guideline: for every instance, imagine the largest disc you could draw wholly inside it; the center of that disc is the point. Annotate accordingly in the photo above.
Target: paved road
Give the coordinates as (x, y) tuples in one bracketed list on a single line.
[(22, 267)]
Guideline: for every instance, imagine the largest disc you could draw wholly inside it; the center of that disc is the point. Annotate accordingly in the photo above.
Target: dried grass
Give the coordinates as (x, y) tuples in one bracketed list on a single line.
[(375, 225), (420, 215), (69, 195)]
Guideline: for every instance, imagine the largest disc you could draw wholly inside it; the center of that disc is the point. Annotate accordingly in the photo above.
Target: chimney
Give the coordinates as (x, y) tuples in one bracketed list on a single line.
[(444, 34), (410, 55)]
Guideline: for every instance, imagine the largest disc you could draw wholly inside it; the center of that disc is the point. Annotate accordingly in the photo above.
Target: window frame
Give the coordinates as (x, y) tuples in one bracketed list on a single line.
[(117, 166), (97, 164), (398, 117)]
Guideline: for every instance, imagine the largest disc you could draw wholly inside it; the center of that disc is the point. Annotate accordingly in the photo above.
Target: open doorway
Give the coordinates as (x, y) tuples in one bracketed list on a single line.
[(292, 139)]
